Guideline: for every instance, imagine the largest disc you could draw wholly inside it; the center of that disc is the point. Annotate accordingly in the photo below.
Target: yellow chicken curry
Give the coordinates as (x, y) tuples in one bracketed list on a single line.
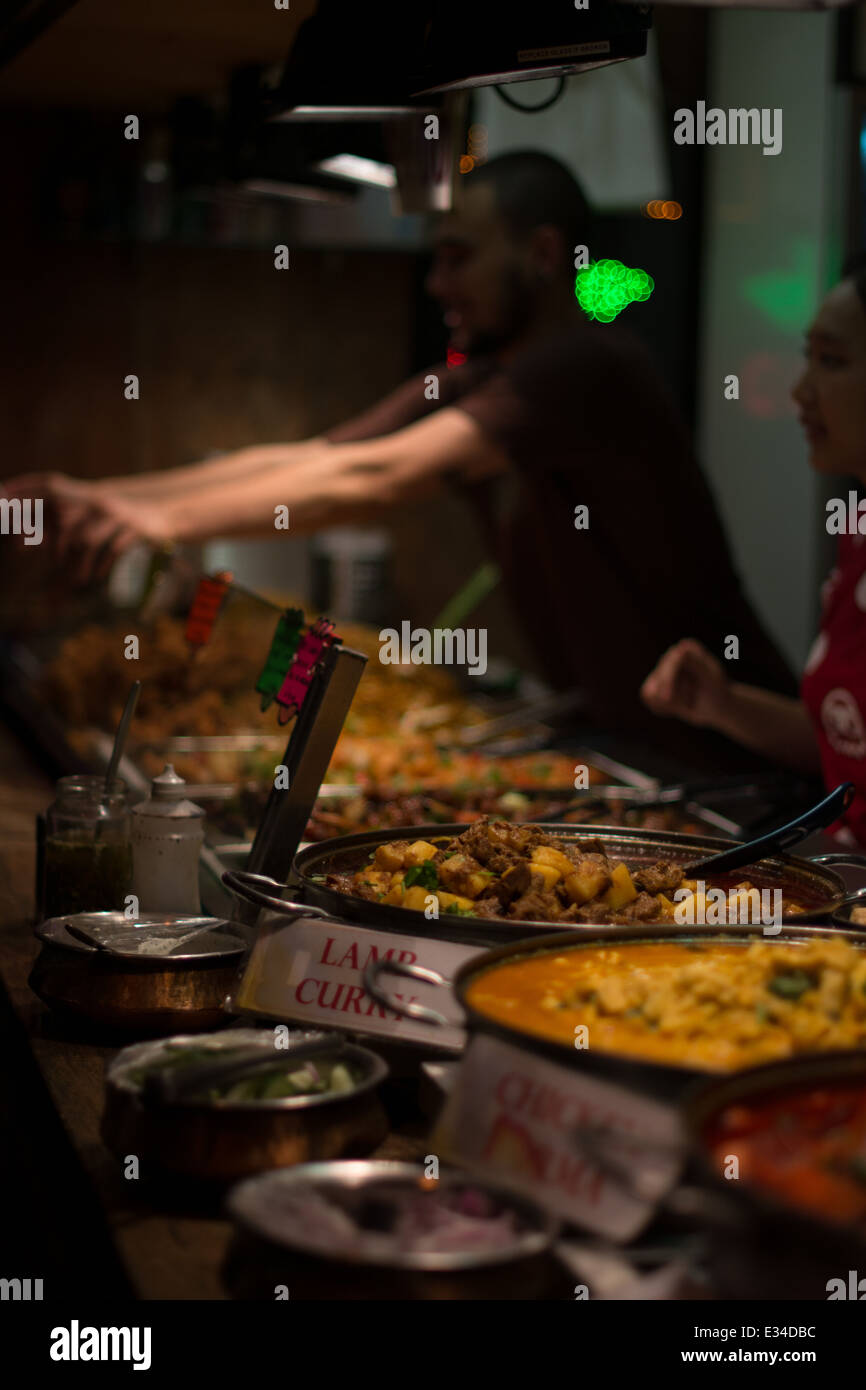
[(712, 1005)]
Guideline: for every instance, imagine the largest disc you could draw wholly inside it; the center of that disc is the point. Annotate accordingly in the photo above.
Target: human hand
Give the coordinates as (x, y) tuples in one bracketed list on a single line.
[(689, 683), (87, 524)]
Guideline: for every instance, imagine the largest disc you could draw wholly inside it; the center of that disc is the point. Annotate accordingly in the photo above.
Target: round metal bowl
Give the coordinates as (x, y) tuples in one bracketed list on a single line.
[(667, 1081), (760, 1246), (224, 1141), (813, 879), (270, 1252), (149, 995)]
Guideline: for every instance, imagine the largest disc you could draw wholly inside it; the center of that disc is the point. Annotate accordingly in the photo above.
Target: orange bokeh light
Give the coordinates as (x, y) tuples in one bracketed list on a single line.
[(662, 211), (467, 163)]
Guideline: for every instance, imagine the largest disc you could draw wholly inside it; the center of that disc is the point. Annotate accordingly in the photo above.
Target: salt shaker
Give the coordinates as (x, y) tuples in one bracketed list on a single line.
[(167, 836)]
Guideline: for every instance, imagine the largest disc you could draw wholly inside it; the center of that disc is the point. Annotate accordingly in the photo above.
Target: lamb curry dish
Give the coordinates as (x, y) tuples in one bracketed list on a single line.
[(522, 873)]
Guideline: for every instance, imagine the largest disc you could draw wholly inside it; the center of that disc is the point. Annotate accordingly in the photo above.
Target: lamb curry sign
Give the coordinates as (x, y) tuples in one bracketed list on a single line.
[(306, 973)]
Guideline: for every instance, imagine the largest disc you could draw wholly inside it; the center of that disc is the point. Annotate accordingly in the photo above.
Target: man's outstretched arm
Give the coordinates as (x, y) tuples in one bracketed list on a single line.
[(331, 484), (321, 483)]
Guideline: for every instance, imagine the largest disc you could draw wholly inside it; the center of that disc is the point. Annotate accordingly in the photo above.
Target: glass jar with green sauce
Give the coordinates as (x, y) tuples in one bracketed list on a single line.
[(88, 860)]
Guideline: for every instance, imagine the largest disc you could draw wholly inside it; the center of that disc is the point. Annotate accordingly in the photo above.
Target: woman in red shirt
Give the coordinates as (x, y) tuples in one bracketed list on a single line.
[(826, 727)]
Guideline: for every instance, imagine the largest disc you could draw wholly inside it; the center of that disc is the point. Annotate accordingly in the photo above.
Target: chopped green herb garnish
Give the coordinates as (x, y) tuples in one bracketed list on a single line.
[(424, 875), (792, 984)]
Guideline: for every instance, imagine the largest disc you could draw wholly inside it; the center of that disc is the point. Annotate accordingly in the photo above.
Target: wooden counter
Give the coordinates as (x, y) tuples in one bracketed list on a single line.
[(78, 1219)]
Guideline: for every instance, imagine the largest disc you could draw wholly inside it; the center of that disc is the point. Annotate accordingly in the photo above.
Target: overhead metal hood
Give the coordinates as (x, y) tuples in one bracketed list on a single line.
[(345, 63), (487, 44)]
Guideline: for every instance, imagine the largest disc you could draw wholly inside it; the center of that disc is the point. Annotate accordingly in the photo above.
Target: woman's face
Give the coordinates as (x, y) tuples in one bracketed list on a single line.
[(831, 393)]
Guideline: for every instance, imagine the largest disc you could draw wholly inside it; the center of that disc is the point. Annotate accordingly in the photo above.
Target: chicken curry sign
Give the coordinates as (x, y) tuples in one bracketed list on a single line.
[(710, 1005)]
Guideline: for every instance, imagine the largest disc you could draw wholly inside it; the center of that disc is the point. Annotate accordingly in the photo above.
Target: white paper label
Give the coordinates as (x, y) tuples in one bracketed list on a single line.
[(515, 1117), (313, 972)]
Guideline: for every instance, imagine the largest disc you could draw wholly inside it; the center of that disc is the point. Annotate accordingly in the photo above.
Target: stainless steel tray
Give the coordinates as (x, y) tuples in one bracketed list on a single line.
[(224, 939)]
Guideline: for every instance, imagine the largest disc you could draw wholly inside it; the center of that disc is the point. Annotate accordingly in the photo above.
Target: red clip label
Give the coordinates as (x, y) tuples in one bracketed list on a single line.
[(205, 607)]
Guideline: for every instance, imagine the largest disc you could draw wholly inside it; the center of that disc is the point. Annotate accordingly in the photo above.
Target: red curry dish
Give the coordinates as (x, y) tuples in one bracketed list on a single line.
[(805, 1145), (523, 873)]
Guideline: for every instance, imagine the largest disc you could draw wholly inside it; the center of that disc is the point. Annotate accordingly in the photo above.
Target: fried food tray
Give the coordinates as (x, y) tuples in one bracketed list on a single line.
[(65, 749)]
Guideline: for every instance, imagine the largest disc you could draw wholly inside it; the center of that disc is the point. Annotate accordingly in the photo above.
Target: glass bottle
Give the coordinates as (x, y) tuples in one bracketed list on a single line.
[(88, 859)]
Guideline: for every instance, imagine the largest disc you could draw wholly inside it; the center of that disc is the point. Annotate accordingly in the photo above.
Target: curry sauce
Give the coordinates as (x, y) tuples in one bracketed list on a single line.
[(711, 1006), (805, 1145)]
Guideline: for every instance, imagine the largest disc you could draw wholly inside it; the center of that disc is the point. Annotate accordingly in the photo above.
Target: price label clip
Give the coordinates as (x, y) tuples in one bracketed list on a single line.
[(293, 690), (205, 608), (283, 648)]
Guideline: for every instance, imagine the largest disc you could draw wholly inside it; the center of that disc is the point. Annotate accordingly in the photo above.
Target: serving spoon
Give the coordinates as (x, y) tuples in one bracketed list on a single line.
[(780, 840)]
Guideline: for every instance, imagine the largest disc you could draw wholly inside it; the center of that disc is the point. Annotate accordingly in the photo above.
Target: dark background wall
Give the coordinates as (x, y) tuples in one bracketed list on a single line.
[(104, 274)]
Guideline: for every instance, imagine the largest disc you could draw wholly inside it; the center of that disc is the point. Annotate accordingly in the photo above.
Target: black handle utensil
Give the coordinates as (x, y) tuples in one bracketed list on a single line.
[(778, 841)]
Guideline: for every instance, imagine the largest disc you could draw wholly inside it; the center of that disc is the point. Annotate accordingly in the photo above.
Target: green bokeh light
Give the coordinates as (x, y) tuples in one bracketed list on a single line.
[(786, 294), (604, 288)]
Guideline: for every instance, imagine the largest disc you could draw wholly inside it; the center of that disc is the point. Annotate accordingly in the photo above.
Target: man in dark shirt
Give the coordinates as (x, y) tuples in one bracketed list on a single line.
[(611, 548)]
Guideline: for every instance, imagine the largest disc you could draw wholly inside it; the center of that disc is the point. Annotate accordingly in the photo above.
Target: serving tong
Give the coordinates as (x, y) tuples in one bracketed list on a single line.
[(534, 710), (717, 789), (175, 1086)]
